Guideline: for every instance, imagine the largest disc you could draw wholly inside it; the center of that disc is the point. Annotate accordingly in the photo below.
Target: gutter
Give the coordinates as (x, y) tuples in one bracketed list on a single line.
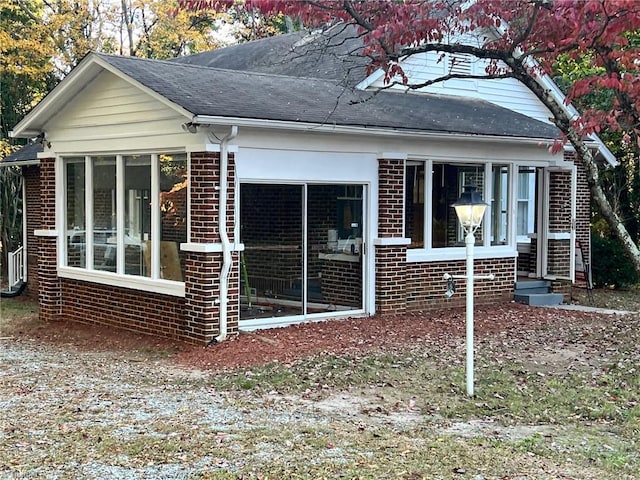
[(224, 236), (356, 130)]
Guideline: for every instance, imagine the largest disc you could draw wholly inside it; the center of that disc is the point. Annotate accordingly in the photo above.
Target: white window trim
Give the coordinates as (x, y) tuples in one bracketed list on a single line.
[(458, 253), (118, 278), (486, 250), (165, 287), (530, 202)]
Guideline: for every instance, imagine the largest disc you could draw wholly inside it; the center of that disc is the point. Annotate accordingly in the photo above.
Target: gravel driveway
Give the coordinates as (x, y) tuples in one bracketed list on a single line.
[(86, 414)]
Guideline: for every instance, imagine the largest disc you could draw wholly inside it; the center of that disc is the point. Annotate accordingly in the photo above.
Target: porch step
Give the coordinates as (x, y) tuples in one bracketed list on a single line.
[(536, 293), (539, 299)]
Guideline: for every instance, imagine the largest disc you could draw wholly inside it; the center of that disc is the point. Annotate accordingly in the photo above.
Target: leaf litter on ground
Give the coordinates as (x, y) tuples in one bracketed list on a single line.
[(557, 397)]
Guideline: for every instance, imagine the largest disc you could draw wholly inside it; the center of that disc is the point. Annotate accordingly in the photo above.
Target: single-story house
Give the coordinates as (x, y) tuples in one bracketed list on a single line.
[(271, 182)]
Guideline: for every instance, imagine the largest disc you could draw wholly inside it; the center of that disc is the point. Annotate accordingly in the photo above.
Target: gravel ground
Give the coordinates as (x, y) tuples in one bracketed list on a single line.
[(51, 395)]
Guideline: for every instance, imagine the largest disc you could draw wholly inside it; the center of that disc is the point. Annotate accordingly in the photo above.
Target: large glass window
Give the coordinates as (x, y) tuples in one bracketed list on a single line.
[(75, 229), (105, 246), (526, 205), (129, 217), (433, 187), (499, 205), (414, 204), (173, 215), (447, 182), (137, 215)]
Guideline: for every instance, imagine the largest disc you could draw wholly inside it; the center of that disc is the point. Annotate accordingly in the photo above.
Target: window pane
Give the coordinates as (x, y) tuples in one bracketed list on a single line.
[(75, 229), (448, 182), (414, 205), (526, 203), (523, 185), (523, 216), (137, 215), (499, 204), (173, 215), (104, 213)]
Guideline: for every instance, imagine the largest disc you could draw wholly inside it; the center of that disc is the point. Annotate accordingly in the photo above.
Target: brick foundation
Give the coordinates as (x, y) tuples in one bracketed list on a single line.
[(144, 312), (425, 283)]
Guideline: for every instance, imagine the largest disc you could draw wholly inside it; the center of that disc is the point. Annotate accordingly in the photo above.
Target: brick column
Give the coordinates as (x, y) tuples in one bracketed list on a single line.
[(48, 282), (31, 176), (204, 256), (559, 251), (391, 246)]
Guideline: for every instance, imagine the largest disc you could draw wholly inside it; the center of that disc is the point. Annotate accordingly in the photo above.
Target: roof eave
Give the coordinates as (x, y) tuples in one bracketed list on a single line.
[(20, 163), (359, 130), (90, 67)]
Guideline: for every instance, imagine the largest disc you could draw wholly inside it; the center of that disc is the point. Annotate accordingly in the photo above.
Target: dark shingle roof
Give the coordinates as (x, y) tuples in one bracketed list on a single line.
[(231, 93), (332, 54), (25, 154)]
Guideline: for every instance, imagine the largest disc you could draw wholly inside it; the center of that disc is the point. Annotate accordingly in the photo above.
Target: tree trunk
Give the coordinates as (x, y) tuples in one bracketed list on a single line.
[(563, 122)]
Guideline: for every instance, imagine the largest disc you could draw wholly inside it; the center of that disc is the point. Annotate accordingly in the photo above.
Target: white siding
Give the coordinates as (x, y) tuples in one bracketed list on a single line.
[(507, 93), (111, 113)]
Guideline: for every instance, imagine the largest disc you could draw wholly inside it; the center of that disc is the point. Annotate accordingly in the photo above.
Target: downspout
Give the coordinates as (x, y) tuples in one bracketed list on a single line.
[(224, 236)]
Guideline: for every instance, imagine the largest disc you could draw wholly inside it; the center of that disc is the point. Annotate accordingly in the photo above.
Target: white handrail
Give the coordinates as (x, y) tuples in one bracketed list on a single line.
[(16, 267)]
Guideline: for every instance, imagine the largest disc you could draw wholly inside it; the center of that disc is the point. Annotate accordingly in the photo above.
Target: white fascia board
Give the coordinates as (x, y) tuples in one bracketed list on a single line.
[(76, 81), (547, 82), (353, 130), (56, 99), (370, 80), (209, 148)]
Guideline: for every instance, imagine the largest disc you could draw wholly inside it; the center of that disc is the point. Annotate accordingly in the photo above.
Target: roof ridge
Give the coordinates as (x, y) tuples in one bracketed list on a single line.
[(218, 69)]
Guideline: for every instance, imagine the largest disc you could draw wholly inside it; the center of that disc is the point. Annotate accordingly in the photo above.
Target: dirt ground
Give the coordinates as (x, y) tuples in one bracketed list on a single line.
[(348, 336), (86, 402)]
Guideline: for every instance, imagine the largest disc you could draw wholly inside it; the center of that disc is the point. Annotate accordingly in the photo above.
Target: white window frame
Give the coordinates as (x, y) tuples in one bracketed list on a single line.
[(530, 205), (486, 250), (118, 278)]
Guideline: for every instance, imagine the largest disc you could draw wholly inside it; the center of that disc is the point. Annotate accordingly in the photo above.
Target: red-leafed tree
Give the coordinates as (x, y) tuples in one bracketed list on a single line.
[(518, 39)]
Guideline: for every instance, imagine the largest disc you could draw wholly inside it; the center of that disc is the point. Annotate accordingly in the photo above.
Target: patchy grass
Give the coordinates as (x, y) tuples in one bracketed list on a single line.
[(539, 412), (18, 315)]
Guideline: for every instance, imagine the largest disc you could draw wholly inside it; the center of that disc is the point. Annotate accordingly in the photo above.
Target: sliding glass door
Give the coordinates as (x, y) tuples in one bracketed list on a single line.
[(304, 250)]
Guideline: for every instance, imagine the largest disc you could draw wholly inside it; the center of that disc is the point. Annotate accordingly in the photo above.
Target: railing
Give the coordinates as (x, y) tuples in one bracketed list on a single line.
[(16, 267)]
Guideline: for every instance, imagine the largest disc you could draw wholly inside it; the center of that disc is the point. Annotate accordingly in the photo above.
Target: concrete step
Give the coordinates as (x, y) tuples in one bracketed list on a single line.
[(528, 291), (539, 299), (526, 284)]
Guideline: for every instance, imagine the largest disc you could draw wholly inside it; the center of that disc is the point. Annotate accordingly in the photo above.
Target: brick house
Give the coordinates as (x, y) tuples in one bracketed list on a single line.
[(265, 184)]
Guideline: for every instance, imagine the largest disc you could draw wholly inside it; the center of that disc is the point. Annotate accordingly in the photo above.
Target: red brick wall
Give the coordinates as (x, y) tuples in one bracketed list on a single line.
[(390, 198), (390, 259), (583, 210), (425, 284), (194, 318), (31, 176), (202, 276), (48, 281), (145, 312)]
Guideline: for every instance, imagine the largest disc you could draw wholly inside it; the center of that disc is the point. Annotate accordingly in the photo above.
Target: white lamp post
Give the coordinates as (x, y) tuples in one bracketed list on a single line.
[(470, 211)]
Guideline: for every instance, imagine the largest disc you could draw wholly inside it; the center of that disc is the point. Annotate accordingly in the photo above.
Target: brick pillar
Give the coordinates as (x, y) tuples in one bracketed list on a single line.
[(583, 206), (48, 281), (391, 246), (559, 251), (204, 257), (31, 176)]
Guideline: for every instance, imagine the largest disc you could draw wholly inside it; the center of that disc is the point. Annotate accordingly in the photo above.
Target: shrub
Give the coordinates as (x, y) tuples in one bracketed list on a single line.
[(610, 265)]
